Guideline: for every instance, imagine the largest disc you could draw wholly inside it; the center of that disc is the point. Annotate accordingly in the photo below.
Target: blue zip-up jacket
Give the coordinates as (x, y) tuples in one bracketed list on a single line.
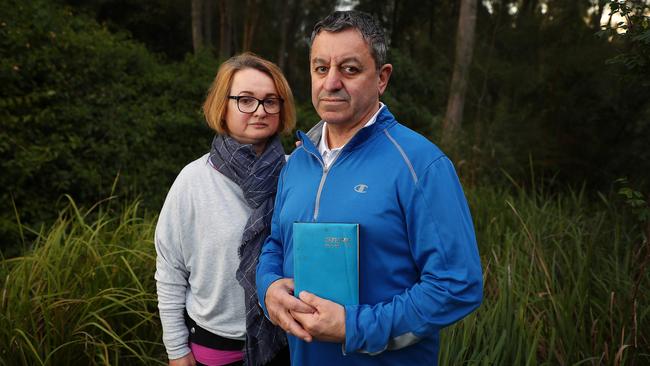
[(419, 268)]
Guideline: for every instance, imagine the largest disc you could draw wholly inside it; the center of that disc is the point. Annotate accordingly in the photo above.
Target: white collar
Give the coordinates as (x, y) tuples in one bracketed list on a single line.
[(323, 149)]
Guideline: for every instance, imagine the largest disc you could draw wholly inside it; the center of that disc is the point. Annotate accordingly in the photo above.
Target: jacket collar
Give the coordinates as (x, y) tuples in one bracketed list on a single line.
[(311, 139)]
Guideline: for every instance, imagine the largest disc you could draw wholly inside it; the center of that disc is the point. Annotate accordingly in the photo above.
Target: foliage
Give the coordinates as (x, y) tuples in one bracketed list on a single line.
[(562, 283), (632, 39), (544, 91), (635, 200), (83, 104), (83, 109), (163, 25), (413, 91), (87, 111), (634, 33), (541, 91), (85, 294), (562, 286), (541, 86)]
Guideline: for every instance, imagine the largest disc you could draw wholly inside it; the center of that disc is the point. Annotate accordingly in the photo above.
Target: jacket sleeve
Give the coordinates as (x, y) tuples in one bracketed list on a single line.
[(443, 246), (171, 275), (270, 265)]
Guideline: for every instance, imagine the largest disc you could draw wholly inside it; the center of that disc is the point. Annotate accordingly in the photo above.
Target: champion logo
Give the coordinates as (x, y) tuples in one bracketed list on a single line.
[(361, 188)]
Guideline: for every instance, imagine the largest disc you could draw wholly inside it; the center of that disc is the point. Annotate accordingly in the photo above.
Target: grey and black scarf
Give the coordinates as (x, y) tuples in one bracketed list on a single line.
[(257, 176)]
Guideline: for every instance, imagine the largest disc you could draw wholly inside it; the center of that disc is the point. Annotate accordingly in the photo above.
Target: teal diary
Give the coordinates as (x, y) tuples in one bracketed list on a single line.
[(326, 260)]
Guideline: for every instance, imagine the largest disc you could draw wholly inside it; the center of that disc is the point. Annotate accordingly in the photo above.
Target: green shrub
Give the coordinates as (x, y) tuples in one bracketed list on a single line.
[(81, 106), (565, 284), (85, 294)]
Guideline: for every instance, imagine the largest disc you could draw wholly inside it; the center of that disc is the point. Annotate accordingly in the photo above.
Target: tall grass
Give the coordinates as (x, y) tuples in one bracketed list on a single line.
[(564, 285), (85, 294), (560, 277)]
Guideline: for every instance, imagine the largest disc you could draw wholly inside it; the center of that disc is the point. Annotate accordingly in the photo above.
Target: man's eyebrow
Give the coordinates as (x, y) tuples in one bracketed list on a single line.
[(319, 61), (322, 61), (350, 59)]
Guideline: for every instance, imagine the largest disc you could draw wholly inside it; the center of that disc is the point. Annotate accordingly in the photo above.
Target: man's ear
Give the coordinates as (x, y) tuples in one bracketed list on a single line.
[(384, 76)]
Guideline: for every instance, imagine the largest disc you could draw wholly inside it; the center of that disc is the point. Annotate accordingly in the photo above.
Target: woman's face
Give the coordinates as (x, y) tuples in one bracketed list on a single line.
[(257, 127)]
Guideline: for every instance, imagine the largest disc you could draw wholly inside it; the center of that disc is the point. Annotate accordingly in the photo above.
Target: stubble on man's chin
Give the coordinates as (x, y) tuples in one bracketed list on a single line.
[(333, 119)]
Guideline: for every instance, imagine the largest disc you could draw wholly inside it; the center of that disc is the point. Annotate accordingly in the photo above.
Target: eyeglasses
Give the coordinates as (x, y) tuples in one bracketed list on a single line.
[(248, 104)]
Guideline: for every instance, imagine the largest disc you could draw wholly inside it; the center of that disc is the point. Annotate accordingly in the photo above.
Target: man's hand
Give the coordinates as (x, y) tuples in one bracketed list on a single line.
[(327, 323), (187, 360), (281, 303)]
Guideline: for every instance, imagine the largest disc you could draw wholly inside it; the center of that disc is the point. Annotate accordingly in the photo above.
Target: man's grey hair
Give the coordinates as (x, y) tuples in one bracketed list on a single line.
[(366, 24)]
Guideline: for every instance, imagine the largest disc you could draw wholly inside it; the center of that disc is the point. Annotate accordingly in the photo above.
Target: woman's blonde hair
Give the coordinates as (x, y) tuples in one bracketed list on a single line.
[(216, 103)]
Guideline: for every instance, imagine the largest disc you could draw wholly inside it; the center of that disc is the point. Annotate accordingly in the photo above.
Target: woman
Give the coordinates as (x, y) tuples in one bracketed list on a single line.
[(215, 219)]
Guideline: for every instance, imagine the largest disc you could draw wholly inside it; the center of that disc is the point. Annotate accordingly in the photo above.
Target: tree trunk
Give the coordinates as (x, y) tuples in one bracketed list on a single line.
[(291, 46), (464, 47), (285, 20), (598, 14), (529, 7), (208, 16), (225, 28), (250, 23), (197, 24), (527, 14), (394, 27), (432, 17)]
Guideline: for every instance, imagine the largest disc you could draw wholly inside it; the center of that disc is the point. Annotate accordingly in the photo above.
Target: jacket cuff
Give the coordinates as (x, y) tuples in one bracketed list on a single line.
[(352, 337), (262, 287)]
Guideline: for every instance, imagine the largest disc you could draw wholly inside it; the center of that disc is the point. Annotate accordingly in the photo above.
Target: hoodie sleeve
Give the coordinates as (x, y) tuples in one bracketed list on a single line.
[(269, 267), (171, 274), (443, 246)]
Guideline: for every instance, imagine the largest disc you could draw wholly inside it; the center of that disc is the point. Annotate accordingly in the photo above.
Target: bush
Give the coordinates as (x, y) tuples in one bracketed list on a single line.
[(85, 294), (81, 107), (565, 284)]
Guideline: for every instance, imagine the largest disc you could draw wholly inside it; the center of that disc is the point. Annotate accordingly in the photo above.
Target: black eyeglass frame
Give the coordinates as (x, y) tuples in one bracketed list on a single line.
[(259, 102)]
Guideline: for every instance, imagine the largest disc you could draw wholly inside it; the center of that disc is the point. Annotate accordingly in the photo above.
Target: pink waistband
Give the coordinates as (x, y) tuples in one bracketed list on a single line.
[(215, 357)]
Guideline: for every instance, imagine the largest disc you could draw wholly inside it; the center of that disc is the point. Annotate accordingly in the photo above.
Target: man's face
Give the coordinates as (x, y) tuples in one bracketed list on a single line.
[(345, 84)]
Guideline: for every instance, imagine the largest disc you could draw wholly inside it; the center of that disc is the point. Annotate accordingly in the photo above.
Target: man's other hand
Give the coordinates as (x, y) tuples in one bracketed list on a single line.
[(280, 303), (327, 323)]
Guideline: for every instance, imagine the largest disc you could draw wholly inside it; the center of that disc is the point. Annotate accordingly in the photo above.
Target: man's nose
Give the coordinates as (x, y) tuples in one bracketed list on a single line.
[(333, 80)]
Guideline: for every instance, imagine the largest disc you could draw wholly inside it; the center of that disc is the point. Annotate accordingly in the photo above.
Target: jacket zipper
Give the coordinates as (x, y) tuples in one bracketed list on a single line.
[(322, 182)]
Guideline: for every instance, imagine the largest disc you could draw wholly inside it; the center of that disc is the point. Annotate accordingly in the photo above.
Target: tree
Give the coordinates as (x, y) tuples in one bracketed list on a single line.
[(250, 23), (464, 48), (289, 10), (80, 107), (197, 24), (208, 16), (225, 28)]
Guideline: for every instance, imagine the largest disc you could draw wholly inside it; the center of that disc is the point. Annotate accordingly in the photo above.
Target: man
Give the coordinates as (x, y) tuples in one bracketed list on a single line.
[(419, 268)]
